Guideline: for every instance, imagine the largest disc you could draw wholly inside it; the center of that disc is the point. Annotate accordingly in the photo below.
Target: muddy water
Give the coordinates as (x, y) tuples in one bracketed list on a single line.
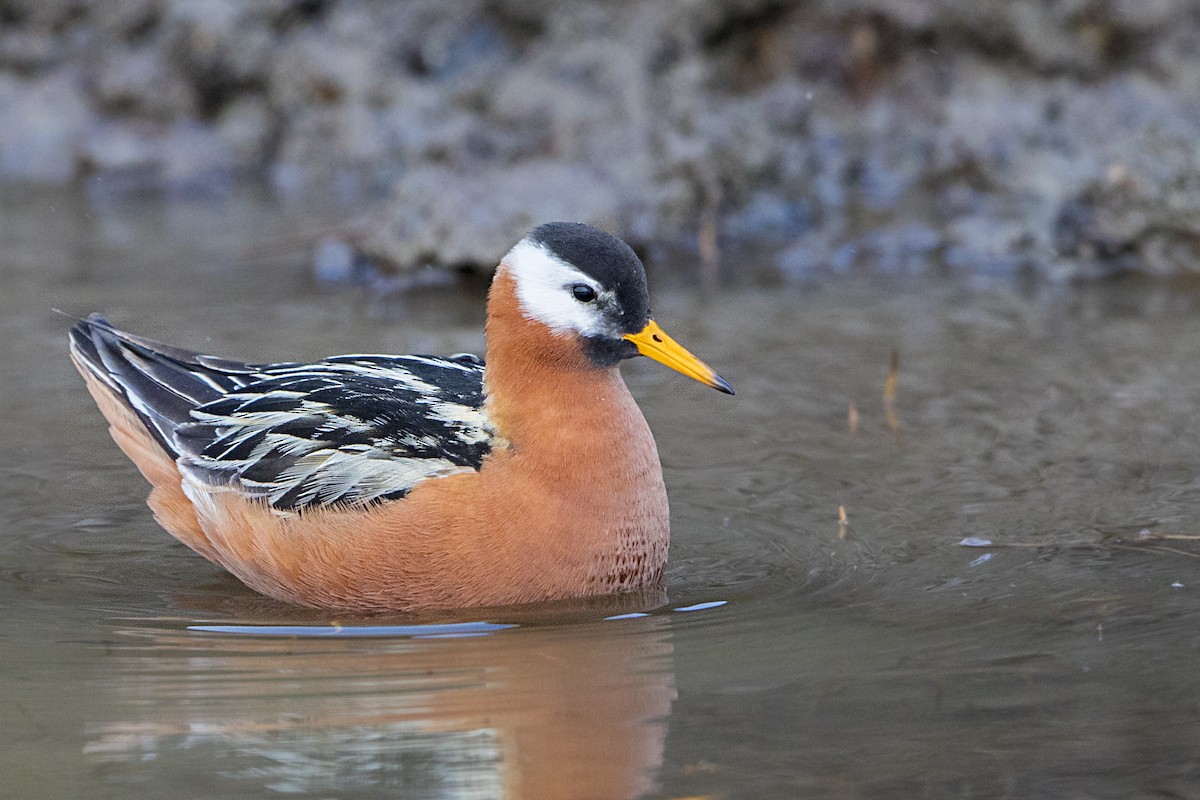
[(880, 658)]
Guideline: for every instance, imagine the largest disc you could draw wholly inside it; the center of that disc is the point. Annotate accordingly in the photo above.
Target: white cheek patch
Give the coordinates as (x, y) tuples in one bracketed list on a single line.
[(544, 283)]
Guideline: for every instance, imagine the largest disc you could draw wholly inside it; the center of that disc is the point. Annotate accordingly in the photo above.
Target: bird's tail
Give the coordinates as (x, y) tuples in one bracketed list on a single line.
[(159, 383)]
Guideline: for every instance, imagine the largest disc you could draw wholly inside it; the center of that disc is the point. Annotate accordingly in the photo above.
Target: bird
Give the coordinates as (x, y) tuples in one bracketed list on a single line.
[(374, 482)]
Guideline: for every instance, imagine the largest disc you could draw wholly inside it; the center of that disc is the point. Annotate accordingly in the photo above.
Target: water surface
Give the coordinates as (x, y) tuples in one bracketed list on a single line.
[(879, 658)]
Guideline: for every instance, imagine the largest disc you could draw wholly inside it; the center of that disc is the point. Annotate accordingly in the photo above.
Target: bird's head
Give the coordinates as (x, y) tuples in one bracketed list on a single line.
[(580, 281)]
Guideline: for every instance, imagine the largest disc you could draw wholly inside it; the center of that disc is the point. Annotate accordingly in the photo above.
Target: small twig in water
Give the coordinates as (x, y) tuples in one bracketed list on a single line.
[(889, 392), (1145, 535)]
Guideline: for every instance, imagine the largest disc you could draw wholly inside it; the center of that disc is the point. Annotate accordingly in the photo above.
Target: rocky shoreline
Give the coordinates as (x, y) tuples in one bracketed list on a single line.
[(1059, 140)]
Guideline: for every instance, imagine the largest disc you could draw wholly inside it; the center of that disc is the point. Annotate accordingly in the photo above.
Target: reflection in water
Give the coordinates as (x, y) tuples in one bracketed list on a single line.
[(574, 711)]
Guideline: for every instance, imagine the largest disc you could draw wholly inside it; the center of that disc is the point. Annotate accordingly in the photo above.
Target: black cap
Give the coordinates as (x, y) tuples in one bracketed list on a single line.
[(606, 258)]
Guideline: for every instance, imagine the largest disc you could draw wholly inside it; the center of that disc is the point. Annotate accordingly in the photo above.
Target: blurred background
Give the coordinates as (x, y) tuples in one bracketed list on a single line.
[(1056, 140)]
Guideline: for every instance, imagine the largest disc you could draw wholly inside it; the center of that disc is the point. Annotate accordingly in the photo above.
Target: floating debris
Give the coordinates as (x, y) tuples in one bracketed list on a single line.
[(889, 391), (707, 247), (1146, 535), (975, 541)]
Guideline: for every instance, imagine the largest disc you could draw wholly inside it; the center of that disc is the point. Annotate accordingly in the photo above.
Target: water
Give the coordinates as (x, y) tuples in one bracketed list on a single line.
[(877, 659)]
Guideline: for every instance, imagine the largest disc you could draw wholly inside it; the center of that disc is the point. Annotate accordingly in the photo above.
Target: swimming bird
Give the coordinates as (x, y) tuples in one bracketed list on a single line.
[(370, 482)]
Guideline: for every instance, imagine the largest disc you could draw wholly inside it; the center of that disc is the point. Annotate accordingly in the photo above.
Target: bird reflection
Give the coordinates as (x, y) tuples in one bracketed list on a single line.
[(572, 709)]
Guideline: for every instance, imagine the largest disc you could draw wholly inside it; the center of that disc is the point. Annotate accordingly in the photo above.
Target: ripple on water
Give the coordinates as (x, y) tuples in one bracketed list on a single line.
[(767, 571)]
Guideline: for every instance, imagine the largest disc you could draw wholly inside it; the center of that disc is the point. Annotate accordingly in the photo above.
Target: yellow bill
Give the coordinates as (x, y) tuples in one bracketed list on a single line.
[(651, 341)]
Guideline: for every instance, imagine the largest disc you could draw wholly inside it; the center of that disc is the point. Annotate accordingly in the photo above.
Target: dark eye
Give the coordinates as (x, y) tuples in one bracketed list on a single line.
[(583, 293)]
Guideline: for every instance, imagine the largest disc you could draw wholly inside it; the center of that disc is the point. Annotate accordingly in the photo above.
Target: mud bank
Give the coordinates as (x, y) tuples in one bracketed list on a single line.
[(992, 138)]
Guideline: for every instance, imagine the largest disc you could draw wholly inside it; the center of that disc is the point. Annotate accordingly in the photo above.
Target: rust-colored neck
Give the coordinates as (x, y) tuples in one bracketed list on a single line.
[(544, 393)]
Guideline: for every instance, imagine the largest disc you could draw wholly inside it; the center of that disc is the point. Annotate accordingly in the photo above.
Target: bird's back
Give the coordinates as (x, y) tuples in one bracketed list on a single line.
[(346, 430)]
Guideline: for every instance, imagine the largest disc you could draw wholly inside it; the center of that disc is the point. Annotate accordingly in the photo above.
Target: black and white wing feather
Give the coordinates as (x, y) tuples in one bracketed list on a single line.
[(347, 431)]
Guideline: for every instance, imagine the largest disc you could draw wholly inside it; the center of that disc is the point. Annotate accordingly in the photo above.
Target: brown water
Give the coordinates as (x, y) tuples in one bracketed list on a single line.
[(878, 660)]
